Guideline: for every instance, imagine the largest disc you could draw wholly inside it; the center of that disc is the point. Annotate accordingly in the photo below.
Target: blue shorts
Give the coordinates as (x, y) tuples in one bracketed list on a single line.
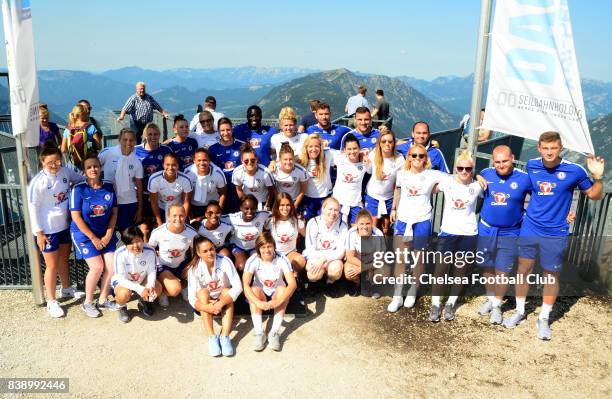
[(312, 207), (455, 243), (125, 216), (55, 240), (86, 249), (176, 271), (420, 231), (551, 249), (371, 204), (498, 247), (235, 249), (352, 215)]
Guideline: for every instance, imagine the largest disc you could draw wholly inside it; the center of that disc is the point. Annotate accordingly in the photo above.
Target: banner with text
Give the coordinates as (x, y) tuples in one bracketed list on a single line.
[(17, 18), (534, 84)]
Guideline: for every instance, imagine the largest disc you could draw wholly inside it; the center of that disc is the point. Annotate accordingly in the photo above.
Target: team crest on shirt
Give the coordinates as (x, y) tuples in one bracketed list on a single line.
[(142, 262), (236, 153), (98, 210), (500, 198), (546, 188), (268, 283), (333, 132), (287, 185), (159, 157), (134, 276), (107, 197), (65, 180), (229, 165), (471, 190), (359, 168), (85, 251), (131, 167), (255, 142), (513, 185), (458, 203), (373, 140), (174, 253), (561, 175), (48, 246), (348, 178)]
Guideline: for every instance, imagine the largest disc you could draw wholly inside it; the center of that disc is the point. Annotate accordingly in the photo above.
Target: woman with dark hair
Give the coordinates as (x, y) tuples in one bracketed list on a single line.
[(289, 177), (226, 155), (208, 183), (121, 167), (254, 179), (93, 206), (285, 227), (264, 286), (247, 225), (214, 230), (167, 188), (182, 145), (49, 217), (213, 287), (135, 271)]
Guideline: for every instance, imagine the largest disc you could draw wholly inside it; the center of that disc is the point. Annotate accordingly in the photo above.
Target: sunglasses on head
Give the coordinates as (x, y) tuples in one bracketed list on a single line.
[(420, 156), (464, 168)]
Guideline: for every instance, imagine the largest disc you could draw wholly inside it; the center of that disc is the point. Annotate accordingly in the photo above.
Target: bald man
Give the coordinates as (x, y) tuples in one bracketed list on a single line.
[(140, 107), (500, 225)]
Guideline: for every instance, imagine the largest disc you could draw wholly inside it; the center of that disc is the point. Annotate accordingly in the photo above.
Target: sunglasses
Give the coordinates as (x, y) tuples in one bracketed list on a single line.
[(251, 160), (206, 120), (420, 156), (464, 168)]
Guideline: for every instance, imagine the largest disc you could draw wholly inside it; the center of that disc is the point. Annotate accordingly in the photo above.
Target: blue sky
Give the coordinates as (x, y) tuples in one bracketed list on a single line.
[(419, 38)]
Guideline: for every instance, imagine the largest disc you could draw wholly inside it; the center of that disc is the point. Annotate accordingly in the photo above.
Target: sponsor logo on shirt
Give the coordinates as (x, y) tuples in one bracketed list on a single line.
[(269, 283), (348, 177), (213, 285), (255, 142), (61, 197), (248, 237), (412, 190), (229, 165), (500, 198), (150, 169), (384, 177), (458, 203), (134, 276), (325, 244), (561, 175), (284, 238), (174, 253), (170, 198), (546, 188), (98, 210)]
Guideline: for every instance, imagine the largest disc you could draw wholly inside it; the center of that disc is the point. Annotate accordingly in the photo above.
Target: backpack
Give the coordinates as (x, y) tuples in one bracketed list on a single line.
[(78, 146)]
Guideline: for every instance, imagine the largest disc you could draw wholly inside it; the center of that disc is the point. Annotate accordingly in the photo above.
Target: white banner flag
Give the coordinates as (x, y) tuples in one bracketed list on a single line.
[(534, 84), (19, 41)]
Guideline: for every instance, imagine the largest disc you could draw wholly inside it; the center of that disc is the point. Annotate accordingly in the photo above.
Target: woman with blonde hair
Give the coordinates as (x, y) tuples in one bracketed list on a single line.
[(287, 123), (317, 163), (80, 137), (385, 162)]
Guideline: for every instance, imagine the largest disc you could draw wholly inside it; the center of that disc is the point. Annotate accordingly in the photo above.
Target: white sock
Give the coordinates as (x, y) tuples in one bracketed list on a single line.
[(490, 296), (496, 302), (520, 305), (545, 311), (397, 291), (277, 321), (435, 300), (257, 323), (452, 299)]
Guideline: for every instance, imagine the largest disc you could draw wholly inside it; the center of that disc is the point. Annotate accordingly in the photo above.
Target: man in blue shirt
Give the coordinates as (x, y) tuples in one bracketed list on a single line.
[(330, 134), (363, 131), (256, 134), (420, 135), (310, 118), (545, 229), (499, 226)]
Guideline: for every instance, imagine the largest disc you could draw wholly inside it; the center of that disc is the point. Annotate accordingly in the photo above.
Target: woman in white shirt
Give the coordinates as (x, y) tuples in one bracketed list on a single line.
[(208, 182), (325, 239), (213, 287), (317, 163), (169, 187), (254, 179), (49, 216), (289, 177), (264, 286), (122, 167), (214, 229), (286, 226), (385, 161), (287, 123)]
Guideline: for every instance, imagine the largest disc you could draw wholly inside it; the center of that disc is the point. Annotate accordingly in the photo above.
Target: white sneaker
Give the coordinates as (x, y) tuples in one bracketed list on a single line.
[(395, 304), (409, 301), (71, 292), (163, 301), (185, 294), (54, 309)]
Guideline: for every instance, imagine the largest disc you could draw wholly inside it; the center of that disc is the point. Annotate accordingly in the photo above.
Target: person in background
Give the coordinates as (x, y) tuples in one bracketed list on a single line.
[(310, 118), (381, 109), (357, 101), (49, 217), (421, 135), (210, 105), (93, 207), (88, 108), (80, 137), (465, 124), (140, 107), (49, 133), (256, 134)]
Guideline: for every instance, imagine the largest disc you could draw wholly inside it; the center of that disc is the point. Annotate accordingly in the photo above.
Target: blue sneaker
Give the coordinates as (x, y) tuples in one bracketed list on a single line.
[(226, 345), (214, 349)]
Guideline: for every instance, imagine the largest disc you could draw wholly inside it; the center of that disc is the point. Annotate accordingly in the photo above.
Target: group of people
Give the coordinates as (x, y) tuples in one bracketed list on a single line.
[(214, 213)]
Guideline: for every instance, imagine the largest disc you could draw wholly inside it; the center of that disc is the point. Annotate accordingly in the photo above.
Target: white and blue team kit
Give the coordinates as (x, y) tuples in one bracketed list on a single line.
[(96, 207), (290, 183), (261, 142), (132, 270), (184, 151), (545, 228), (152, 161), (223, 276), (367, 142), (48, 199), (435, 155), (331, 137), (172, 248), (205, 187), (268, 277), (257, 184), (500, 217), (227, 158), (169, 193), (245, 233)]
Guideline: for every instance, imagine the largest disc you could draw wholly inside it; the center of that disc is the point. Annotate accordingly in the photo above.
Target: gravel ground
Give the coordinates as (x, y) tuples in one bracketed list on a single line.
[(346, 347)]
